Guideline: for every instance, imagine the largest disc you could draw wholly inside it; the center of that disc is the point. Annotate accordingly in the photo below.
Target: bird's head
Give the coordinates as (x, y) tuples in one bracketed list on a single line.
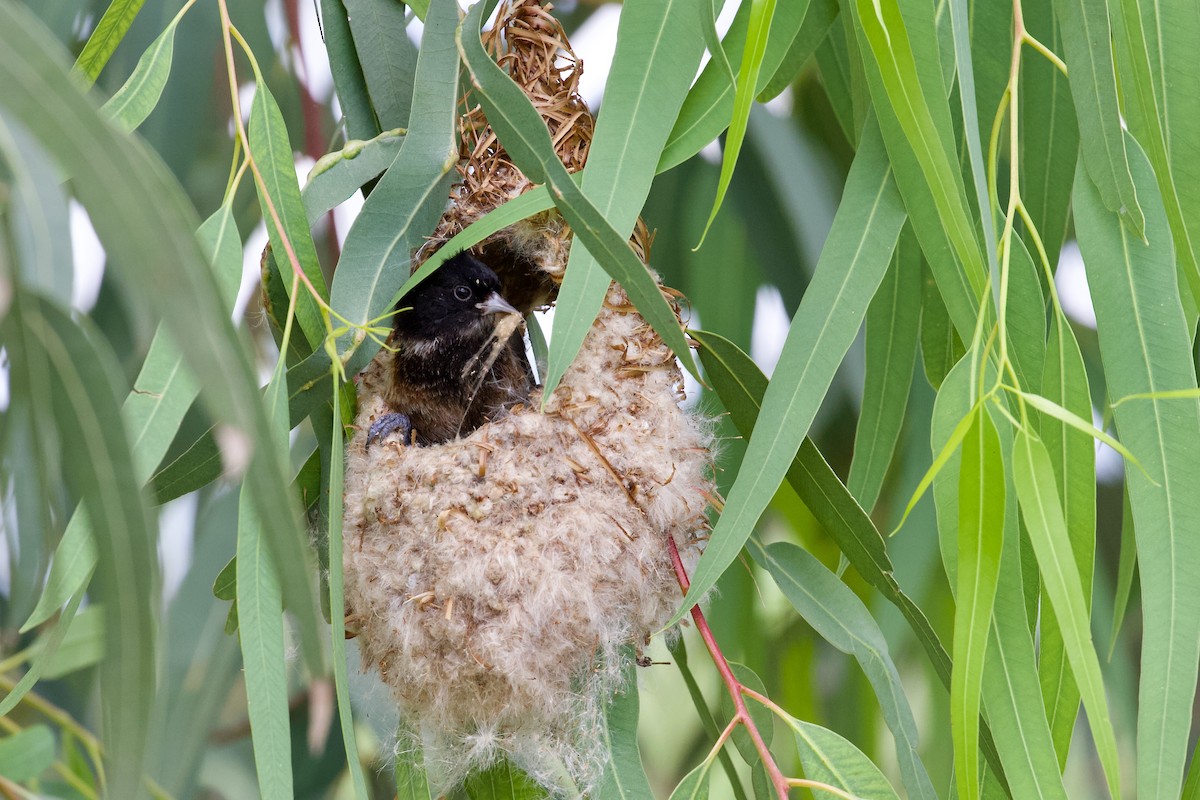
[(461, 299)]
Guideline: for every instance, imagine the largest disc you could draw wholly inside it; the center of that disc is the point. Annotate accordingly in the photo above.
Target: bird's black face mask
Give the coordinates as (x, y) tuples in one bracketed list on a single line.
[(459, 300)]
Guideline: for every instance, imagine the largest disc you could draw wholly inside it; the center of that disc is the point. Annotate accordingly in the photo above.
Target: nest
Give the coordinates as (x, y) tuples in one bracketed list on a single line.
[(500, 581)]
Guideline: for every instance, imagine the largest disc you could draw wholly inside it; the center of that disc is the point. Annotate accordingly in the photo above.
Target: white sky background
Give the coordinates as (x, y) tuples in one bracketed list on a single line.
[(595, 43)]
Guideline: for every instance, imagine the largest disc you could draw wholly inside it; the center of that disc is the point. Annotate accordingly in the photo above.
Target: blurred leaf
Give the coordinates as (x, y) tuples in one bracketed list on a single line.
[(893, 319), (830, 759), (82, 647), (839, 617), (852, 264), (694, 785), (225, 585), (72, 567), (1073, 456), (348, 79), (1125, 571), (49, 646), (26, 754), (527, 140), (340, 174), (1041, 509), (1132, 282), (502, 781), (1088, 47), (109, 32), (132, 103), (137, 209), (659, 45), (843, 75), (276, 163), (408, 200), (980, 542), (40, 219), (99, 467), (387, 57)]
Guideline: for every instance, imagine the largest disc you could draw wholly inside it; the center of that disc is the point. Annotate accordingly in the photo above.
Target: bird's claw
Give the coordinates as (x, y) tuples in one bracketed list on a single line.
[(388, 424)]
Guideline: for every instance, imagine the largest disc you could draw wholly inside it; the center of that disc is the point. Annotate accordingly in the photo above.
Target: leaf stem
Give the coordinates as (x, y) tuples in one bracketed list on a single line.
[(732, 684)]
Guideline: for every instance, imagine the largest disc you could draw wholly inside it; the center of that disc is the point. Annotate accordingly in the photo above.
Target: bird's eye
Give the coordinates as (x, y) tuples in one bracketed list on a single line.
[(462, 293)]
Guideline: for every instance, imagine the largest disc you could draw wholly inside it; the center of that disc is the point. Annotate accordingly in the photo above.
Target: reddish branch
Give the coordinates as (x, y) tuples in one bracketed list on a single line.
[(732, 684)]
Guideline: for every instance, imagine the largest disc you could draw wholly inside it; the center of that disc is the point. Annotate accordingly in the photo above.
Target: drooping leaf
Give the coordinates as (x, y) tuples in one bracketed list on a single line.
[(109, 32)]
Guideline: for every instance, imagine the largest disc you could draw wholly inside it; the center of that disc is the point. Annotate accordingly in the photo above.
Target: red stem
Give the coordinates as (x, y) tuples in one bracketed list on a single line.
[(732, 684)]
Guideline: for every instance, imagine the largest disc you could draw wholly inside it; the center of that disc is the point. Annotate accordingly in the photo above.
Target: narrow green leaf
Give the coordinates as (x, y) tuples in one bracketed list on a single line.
[(1125, 572), (407, 202), (1073, 456), (26, 754), (109, 32), (624, 775), (502, 781), (758, 26), (337, 605), (525, 137), (1026, 323), (1052, 409), (348, 79), (893, 319), (146, 225), (659, 45), (338, 175), (980, 542), (100, 469), (74, 562), (900, 50), (1133, 283), (273, 154), (941, 347), (194, 468), (837, 614), (1042, 511), (817, 19), (411, 781), (225, 584), (830, 759), (1089, 57), (50, 645), (387, 56), (82, 647), (709, 105), (852, 264), (712, 39), (132, 103)]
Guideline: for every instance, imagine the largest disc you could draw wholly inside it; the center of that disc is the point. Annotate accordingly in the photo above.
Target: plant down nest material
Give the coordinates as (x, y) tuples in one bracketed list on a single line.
[(501, 582)]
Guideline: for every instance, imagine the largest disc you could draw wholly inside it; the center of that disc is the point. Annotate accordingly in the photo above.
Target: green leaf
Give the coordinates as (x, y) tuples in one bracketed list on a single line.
[(980, 542), (387, 56), (337, 605), (279, 198), (1026, 322), (1125, 571), (132, 103), (146, 225), (74, 562), (502, 781), (82, 647), (1089, 58), (893, 319), (830, 759), (526, 139), (411, 781), (817, 19), (941, 347), (348, 79), (836, 613), (109, 32), (758, 26), (40, 221), (1043, 514), (1132, 283), (694, 785), (409, 199), (50, 645), (762, 716), (338, 175), (852, 264), (26, 754), (659, 45), (99, 468), (900, 50), (1073, 456), (709, 105), (624, 775)]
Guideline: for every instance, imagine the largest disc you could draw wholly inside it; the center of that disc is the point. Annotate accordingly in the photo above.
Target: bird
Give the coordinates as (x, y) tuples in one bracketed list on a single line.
[(457, 363)]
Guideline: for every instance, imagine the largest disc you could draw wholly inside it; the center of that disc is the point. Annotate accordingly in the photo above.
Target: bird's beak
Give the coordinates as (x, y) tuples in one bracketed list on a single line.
[(495, 304)]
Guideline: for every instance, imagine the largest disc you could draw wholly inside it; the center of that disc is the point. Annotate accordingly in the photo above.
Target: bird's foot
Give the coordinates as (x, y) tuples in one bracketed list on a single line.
[(388, 424)]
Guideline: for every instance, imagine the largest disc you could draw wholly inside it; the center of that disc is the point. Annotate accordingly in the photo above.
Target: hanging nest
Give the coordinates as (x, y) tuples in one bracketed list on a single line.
[(499, 581)]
